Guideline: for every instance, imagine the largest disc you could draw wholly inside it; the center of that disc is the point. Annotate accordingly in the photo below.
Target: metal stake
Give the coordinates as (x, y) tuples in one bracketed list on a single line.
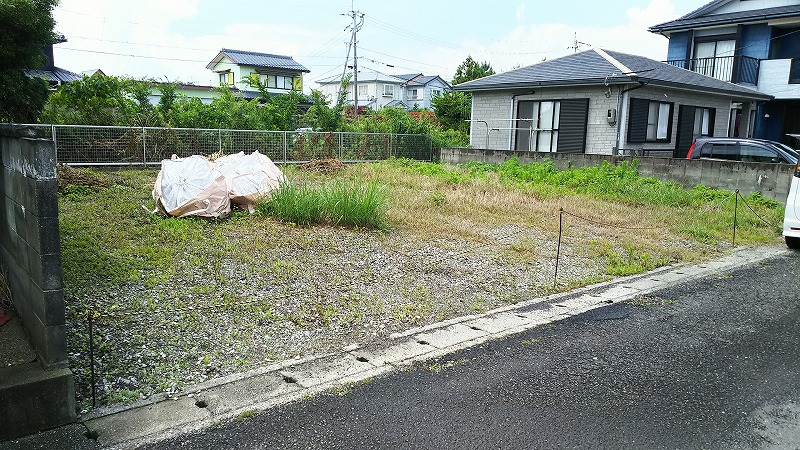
[(91, 359), (735, 210), (558, 249)]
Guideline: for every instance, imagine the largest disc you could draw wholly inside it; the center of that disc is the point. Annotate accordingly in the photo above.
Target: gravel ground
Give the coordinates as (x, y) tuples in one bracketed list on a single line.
[(322, 289)]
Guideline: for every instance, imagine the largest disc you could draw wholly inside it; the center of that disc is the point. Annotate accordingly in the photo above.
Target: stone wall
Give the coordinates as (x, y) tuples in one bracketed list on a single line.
[(770, 180)]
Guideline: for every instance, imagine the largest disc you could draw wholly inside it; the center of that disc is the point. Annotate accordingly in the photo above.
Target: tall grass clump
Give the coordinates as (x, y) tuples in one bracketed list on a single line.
[(346, 203)]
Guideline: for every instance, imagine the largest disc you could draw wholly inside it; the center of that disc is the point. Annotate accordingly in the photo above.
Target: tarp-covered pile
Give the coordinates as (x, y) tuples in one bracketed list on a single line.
[(197, 186)]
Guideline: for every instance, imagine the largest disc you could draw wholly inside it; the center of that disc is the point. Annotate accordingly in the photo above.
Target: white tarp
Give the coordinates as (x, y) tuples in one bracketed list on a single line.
[(191, 186), (249, 177)]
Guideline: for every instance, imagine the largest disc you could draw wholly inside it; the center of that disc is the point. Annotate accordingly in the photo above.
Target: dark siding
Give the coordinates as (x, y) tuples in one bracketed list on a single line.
[(685, 134), (637, 120), (572, 125)]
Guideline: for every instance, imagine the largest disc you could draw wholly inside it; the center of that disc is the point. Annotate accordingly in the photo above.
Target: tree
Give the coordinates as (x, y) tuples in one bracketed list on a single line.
[(27, 26), (471, 70), (453, 110)]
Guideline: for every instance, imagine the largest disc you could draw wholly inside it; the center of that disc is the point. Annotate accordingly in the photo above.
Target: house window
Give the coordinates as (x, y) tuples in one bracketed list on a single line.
[(412, 94), (658, 121), (537, 125), (435, 92), (363, 90), (226, 78), (649, 121), (715, 59), (270, 81), (388, 90), (552, 125), (702, 122)]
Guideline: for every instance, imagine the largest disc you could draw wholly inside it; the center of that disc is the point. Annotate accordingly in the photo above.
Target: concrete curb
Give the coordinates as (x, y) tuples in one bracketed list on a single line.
[(227, 398)]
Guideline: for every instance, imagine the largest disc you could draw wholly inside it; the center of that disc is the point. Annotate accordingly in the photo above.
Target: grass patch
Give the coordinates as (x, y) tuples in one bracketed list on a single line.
[(346, 203)]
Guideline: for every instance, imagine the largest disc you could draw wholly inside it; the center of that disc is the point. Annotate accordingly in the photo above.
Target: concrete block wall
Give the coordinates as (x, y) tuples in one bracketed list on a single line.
[(770, 180), (29, 240)]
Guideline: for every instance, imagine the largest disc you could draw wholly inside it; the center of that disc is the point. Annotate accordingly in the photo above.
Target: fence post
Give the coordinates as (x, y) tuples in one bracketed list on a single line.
[(55, 142), (735, 210), (341, 145), (91, 359), (391, 147), (144, 146), (558, 248), (219, 139), (285, 147)]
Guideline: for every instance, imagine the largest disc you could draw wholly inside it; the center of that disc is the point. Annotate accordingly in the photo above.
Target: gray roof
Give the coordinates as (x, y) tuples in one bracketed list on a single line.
[(699, 18), (408, 76), (365, 77), (591, 67), (396, 104), (244, 58), (55, 76)]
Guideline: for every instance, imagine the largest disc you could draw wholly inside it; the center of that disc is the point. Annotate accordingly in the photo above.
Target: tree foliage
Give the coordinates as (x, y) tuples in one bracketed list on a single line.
[(453, 110), (27, 26), (102, 100), (471, 70)]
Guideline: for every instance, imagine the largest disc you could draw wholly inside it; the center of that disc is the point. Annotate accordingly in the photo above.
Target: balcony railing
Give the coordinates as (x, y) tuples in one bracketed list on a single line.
[(735, 69)]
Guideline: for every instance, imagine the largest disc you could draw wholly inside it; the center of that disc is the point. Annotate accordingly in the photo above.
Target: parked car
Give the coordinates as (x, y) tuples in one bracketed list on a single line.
[(791, 218), (742, 149)]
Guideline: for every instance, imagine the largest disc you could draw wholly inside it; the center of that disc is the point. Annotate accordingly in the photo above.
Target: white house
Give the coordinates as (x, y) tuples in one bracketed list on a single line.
[(234, 68), (378, 90)]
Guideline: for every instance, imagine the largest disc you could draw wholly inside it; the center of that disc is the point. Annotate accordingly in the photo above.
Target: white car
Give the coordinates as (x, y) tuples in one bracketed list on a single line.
[(791, 219)]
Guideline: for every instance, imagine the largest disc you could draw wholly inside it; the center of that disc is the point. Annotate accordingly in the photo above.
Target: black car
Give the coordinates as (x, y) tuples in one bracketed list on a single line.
[(741, 149)]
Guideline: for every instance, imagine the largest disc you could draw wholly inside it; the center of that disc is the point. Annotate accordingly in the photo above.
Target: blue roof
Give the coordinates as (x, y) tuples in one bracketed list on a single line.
[(602, 67), (699, 18), (245, 58)]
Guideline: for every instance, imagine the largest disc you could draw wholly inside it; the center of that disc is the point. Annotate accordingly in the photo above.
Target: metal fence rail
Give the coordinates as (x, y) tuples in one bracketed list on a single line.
[(103, 145)]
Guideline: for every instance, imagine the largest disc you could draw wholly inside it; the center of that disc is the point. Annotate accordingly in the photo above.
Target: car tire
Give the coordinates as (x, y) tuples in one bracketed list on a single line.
[(793, 242)]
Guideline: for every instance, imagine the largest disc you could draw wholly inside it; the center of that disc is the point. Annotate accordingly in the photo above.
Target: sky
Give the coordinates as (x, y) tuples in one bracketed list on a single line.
[(173, 40)]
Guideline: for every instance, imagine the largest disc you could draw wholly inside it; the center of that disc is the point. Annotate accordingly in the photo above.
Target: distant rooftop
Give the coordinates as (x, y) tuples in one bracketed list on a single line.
[(256, 59)]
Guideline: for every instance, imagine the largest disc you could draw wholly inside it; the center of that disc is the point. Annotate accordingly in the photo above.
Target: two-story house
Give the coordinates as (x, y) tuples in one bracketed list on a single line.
[(378, 90), (239, 69), (753, 43), (420, 89)]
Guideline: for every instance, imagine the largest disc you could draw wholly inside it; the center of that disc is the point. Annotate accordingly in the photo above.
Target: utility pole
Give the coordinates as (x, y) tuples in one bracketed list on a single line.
[(358, 21)]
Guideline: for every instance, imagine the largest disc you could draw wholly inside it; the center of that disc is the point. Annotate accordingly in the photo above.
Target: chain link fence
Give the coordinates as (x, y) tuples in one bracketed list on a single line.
[(102, 145)]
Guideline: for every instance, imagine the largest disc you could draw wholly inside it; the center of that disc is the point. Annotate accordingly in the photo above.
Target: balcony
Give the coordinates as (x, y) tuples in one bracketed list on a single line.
[(734, 69)]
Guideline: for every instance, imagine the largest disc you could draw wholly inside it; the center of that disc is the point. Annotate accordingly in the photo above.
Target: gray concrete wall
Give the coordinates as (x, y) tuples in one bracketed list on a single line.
[(770, 180), (29, 240), (37, 395)]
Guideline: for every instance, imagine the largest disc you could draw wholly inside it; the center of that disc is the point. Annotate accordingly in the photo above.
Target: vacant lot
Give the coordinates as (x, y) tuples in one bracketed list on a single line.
[(179, 301)]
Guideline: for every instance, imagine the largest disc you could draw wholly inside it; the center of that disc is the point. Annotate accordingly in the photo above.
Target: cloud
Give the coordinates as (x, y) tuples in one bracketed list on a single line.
[(529, 43)]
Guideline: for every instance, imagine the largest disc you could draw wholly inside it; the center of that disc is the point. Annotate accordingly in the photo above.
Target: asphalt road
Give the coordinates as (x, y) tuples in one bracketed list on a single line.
[(710, 364)]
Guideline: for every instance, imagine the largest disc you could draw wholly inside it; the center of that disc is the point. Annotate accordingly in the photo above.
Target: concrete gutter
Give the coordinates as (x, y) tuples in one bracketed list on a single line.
[(226, 398)]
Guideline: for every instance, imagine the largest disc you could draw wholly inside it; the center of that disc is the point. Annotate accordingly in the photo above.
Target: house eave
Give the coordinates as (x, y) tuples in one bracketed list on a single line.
[(616, 82), (710, 21)]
